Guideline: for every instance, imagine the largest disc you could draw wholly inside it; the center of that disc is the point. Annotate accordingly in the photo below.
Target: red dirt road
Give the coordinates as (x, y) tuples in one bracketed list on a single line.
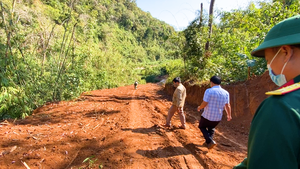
[(116, 128)]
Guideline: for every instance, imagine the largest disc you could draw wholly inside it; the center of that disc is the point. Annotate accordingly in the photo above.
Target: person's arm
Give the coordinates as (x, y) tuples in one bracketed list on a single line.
[(202, 105), (205, 100), (228, 111)]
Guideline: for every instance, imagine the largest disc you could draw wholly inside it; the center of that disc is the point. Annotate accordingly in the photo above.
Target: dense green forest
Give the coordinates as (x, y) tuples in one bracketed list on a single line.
[(53, 50), (234, 36)]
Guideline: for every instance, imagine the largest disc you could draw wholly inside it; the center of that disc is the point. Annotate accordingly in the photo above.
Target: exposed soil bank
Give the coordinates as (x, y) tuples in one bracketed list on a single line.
[(245, 97)]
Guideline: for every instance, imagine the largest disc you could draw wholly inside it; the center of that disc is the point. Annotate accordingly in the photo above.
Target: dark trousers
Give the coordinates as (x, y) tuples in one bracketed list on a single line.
[(207, 128)]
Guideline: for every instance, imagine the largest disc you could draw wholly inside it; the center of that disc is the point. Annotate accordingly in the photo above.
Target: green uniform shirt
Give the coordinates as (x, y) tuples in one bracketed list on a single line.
[(274, 138)]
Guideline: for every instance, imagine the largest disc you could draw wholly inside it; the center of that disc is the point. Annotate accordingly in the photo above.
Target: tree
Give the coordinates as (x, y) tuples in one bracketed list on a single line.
[(201, 16), (56, 49), (210, 22)]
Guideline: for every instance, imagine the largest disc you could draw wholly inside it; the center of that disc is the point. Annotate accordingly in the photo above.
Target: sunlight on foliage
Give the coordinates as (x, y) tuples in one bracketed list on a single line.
[(234, 37), (55, 50)]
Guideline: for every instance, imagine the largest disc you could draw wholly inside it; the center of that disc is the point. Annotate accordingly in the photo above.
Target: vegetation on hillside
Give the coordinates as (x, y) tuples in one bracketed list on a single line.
[(234, 36), (52, 50)]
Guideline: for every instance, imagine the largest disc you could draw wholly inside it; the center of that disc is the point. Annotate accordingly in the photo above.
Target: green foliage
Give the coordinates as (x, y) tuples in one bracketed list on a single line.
[(172, 68), (52, 50), (14, 103), (91, 162), (236, 34)]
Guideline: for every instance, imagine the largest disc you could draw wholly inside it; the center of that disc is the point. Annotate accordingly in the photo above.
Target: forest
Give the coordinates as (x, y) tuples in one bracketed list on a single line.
[(53, 50)]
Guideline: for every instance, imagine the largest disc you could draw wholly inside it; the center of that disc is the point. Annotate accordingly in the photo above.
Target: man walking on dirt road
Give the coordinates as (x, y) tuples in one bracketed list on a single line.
[(177, 103), (135, 85), (214, 101), (274, 137)]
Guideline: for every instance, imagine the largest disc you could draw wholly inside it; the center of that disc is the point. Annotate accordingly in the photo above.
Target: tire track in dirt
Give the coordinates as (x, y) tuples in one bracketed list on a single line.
[(166, 147), (191, 139), (119, 128), (178, 147), (189, 149), (141, 134)]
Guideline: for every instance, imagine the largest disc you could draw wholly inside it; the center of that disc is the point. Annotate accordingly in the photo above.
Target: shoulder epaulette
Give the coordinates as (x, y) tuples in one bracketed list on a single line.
[(285, 90)]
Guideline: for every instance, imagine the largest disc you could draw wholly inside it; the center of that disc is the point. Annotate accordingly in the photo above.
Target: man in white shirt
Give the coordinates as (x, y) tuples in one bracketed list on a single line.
[(214, 101)]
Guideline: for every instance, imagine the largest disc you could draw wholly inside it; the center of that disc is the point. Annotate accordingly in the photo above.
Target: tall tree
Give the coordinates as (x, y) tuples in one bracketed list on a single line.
[(201, 15), (210, 21)]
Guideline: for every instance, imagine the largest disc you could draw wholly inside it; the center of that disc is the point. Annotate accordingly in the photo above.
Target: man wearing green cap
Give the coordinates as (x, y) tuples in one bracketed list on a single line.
[(274, 137)]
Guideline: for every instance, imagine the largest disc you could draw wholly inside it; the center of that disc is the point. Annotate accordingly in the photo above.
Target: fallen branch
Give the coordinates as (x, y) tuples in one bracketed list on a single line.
[(13, 149), (73, 158), (27, 167), (96, 127), (101, 122)]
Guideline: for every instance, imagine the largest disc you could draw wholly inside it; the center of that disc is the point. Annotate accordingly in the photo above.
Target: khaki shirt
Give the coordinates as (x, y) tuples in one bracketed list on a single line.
[(179, 96)]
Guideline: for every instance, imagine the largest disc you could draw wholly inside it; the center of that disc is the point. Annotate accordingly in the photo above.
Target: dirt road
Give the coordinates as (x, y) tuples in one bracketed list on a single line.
[(116, 128)]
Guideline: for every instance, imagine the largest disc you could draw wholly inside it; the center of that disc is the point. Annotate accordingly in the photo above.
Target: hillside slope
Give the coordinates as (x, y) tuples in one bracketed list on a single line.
[(54, 50)]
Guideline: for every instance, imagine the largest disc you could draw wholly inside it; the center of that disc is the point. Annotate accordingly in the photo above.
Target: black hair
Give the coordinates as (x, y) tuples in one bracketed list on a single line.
[(276, 49), (297, 46), (216, 80), (177, 79)]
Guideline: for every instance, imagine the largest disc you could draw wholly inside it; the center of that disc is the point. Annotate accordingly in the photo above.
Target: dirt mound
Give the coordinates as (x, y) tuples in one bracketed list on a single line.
[(120, 128)]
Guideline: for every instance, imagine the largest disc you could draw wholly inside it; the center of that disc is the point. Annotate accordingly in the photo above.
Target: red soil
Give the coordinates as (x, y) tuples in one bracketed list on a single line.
[(120, 128)]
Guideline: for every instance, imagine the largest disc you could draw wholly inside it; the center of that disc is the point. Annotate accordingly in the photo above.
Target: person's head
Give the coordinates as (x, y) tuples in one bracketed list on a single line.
[(281, 49), (215, 80), (176, 81)]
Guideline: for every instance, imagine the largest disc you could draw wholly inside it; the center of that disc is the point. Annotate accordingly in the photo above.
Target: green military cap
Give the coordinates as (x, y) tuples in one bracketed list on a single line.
[(287, 32)]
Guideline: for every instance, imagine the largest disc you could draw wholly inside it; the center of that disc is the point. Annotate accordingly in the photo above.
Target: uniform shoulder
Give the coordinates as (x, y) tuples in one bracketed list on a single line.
[(285, 90)]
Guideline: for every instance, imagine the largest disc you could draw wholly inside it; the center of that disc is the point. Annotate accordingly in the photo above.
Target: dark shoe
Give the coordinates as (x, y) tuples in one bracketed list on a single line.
[(211, 144)]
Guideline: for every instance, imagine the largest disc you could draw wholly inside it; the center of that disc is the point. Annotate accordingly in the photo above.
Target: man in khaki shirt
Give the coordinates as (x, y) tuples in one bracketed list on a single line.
[(177, 103)]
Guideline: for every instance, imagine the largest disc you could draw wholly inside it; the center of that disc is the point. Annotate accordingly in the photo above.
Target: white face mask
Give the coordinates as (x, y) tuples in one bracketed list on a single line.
[(280, 79)]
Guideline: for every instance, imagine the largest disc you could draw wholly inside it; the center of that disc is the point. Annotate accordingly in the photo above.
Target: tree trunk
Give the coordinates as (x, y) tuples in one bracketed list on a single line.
[(210, 22), (201, 16)]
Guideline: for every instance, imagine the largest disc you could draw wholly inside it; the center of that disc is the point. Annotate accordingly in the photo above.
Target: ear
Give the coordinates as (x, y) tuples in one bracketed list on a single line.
[(288, 51)]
